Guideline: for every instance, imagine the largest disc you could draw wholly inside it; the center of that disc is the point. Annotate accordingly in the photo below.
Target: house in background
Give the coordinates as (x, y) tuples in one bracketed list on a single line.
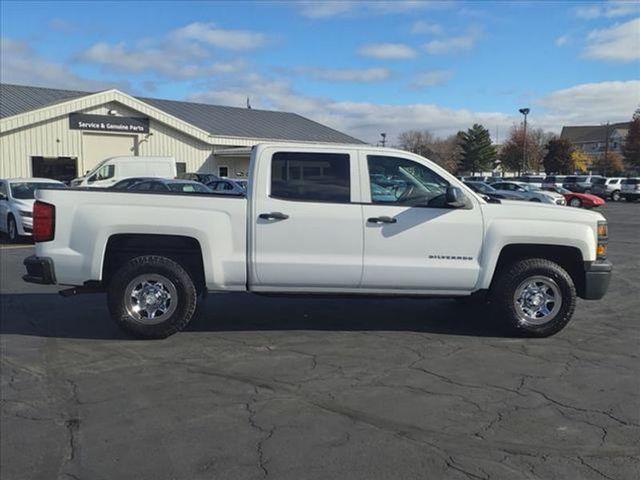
[(592, 139), (61, 134)]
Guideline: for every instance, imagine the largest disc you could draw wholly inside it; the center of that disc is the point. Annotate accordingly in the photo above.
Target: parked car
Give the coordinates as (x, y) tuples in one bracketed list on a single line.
[(630, 189), (575, 199), (169, 185), (110, 171), (127, 182), (553, 180), (481, 178), (607, 188), (580, 183), (485, 189), (17, 196), (321, 233), (242, 182), (529, 193), (534, 181), (204, 178), (223, 185)]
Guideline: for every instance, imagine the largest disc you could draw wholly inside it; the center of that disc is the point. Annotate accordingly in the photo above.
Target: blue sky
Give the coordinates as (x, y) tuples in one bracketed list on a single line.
[(362, 67)]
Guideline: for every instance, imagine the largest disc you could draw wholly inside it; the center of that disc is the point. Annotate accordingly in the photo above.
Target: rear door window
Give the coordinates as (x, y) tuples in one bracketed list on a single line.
[(311, 177)]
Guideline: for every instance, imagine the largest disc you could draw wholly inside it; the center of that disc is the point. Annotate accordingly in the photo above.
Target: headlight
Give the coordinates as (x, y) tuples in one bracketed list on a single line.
[(25, 213), (603, 240)]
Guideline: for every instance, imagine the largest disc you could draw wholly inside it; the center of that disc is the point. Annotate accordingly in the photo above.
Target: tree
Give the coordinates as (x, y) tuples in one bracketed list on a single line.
[(581, 161), (445, 152), (631, 149), (478, 153), (559, 157), (511, 155), (611, 164)]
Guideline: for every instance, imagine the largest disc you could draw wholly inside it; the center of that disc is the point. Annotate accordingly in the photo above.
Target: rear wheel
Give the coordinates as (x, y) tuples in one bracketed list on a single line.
[(152, 297), (536, 297), (575, 202), (12, 230), (615, 195)]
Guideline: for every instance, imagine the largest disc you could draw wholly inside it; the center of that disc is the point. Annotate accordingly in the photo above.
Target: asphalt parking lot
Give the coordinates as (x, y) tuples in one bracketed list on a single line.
[(321, 389)]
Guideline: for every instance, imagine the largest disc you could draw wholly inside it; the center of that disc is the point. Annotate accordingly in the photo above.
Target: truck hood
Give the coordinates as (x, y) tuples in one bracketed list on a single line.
[(517, 210)]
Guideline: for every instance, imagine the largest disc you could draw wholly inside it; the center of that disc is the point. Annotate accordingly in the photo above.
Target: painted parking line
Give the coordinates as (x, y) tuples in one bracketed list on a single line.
[(14, 247)]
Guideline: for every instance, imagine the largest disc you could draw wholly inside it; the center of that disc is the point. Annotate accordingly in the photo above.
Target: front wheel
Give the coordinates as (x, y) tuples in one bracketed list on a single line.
[(615, 195), (575, 202), (152, 297), (536, 297), (12, 230)]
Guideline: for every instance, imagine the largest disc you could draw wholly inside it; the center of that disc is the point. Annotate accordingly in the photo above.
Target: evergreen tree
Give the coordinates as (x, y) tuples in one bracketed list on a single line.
[(478, 153), (559, 156), (631, 149)]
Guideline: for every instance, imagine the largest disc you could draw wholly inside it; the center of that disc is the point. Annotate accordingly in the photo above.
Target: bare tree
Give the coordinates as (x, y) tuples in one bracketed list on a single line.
[(444, 151), (511, 154)]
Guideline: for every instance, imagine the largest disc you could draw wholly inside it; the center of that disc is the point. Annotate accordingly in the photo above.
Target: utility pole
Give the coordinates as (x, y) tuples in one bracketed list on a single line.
[(525, 112), (606, 147)]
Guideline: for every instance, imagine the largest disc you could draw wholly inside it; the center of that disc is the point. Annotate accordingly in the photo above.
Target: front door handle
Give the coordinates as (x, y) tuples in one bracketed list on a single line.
[(380, 220), (273, 216)]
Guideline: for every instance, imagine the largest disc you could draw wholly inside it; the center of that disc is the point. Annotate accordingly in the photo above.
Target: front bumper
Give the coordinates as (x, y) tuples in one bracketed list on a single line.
[(596, 279), (39, 270)]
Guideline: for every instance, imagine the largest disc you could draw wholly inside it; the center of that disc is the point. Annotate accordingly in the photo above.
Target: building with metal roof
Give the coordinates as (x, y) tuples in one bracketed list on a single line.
[(594, 140), (62, 133)]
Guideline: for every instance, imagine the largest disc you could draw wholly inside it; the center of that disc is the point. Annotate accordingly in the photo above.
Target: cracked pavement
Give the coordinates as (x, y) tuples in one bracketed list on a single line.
[(295, 388)]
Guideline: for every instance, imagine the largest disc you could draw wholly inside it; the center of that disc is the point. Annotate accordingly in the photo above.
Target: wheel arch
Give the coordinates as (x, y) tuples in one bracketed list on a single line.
[(185, 250), (568, 257)]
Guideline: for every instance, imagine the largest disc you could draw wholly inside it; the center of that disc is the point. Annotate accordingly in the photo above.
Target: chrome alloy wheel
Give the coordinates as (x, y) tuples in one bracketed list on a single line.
[(537, 300), (150, 298)]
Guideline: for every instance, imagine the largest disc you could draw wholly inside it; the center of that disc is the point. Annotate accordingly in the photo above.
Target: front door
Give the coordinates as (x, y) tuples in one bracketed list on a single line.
[(307, 232), (412, 239)]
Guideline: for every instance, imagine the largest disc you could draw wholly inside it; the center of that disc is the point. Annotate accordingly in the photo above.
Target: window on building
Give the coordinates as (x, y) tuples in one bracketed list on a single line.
[(223, 171), (63, 169), (313, 177), (181, 167)]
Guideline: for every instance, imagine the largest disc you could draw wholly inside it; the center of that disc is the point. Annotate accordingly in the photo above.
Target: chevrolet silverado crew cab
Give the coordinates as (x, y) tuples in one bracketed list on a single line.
[(320, 219)]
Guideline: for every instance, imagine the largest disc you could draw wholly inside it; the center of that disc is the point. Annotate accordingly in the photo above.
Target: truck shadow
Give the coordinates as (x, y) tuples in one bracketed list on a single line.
[(86, 316)]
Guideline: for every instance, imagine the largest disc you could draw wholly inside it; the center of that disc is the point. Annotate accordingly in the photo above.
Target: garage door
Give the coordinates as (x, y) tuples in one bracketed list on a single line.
[(97, 147)]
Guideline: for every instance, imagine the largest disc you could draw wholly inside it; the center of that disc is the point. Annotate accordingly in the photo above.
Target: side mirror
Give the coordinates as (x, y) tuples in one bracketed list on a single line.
[(456, 198), (3, 196)]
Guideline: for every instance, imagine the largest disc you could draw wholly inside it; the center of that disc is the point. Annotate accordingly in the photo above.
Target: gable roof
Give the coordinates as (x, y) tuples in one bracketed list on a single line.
[(591, 133), (215, 119)]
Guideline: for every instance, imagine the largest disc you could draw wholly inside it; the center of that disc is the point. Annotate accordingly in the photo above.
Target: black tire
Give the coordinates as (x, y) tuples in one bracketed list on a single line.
[(12, 230), (523, 272), (630, 199), (615, 196), (575, 202), (173, 280)]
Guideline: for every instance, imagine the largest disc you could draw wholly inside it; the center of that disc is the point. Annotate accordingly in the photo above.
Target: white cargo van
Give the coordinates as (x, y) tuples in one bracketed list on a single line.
[(114, 169)]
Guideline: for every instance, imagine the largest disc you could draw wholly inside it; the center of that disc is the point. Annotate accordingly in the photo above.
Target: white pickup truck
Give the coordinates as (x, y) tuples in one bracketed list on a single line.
[(320, 219)]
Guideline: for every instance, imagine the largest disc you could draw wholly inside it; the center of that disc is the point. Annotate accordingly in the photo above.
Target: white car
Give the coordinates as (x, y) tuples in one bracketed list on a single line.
[(317, 220), (530, 193), (16, 204)]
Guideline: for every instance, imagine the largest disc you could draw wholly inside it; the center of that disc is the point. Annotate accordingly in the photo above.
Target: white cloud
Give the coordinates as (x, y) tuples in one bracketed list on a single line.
[(421, 27), (387, 51), (562, 40), (431, 79), (178, 61), (619, 43), (611, 9), (331, 9), (21, 65), (208, 33), (581, 104), (365, 75), (454, 44), (592, 103)]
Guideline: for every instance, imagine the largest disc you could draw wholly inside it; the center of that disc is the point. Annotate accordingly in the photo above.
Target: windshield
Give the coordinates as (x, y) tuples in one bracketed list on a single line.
[(598, 181), (188, 187), (482, 187), (631, 181), (27, 190)]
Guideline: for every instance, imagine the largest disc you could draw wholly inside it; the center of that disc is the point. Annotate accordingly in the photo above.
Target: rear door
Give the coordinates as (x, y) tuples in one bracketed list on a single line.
[(4, 205), (307, 224), (412, 240)]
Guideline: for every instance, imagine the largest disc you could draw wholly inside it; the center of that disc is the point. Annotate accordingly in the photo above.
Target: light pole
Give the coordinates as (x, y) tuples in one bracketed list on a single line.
[(384, 139), (525, 112)]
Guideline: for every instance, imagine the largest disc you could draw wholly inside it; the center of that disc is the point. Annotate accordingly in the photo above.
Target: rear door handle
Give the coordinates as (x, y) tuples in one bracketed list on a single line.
[(273, 216), (380, 220)]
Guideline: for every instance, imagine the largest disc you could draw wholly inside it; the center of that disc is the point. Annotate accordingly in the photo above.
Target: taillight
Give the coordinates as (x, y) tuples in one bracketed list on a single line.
[(44, 221)]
